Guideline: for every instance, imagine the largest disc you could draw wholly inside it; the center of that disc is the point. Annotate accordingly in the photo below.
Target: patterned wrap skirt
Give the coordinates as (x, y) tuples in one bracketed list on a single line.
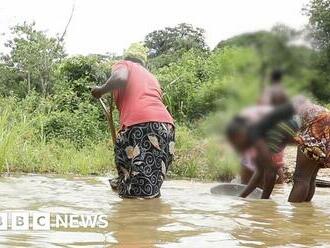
[(144, 153), (314, 139)]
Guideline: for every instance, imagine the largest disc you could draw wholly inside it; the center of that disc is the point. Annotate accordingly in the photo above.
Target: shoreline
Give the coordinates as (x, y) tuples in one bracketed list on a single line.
[(289, 158)]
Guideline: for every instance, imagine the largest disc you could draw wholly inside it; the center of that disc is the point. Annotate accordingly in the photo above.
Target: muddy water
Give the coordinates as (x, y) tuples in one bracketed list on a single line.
[(187, 215)]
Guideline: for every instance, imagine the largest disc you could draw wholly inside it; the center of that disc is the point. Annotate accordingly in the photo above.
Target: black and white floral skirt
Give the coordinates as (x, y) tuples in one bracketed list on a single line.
[(144, 153)]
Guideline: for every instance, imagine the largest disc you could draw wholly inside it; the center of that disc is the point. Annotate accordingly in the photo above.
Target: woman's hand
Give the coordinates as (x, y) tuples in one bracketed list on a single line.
[(97, 92)]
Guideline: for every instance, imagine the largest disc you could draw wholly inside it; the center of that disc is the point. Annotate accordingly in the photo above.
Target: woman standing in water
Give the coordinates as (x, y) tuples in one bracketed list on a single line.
[(309, 128), (145, 143)]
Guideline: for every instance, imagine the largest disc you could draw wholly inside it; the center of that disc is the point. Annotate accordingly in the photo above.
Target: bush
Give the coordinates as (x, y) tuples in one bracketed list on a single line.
[(200, 83), (202, 157)]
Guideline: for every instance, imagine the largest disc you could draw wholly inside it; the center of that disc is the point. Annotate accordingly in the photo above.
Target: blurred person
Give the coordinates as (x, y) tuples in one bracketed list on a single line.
[(302, 123), (274, 94), (145, 143), (254, 114)]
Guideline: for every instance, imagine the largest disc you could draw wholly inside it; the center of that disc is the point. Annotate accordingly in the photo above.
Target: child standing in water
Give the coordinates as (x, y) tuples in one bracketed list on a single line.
[(309, 129)]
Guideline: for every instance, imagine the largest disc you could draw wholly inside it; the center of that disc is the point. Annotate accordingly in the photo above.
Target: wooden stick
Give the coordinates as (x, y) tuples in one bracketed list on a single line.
[(109, 116)]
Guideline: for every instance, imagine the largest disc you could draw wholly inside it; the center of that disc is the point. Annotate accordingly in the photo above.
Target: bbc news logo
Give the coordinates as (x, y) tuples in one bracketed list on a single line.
[(24, 221)]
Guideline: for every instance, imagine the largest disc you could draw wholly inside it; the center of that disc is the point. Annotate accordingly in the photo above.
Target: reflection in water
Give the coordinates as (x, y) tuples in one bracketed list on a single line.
[(311, 223), (187, 215), (135, 222), (270, 224), (256, 227)]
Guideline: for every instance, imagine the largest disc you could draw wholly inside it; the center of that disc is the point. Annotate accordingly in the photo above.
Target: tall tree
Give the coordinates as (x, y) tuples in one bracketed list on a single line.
[(319, 18), (33, 56), (169, 44)]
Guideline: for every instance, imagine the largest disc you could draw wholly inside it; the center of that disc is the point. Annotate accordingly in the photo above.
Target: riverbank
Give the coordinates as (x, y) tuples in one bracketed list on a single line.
[(23, 150), (197, 158)]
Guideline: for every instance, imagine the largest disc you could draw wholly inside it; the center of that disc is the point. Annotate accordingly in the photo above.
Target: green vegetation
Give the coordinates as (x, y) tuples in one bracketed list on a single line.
[(319, 13), (49, 123)]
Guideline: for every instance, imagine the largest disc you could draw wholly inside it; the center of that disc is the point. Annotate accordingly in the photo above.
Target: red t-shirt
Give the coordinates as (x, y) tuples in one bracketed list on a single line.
[(141, 100)]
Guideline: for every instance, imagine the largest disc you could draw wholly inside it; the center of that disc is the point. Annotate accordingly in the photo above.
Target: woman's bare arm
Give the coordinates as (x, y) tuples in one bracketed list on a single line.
[(253, 183), (264, 169), (117, 80), (264, 160)]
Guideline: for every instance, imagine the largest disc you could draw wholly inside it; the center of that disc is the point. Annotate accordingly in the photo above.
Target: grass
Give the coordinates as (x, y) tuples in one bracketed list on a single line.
[(24, 149), (62, 158), (202, 157)]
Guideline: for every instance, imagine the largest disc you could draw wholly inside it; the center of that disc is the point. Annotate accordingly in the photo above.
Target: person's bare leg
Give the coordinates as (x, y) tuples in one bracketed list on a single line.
[(302, 178), (312, 186)]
